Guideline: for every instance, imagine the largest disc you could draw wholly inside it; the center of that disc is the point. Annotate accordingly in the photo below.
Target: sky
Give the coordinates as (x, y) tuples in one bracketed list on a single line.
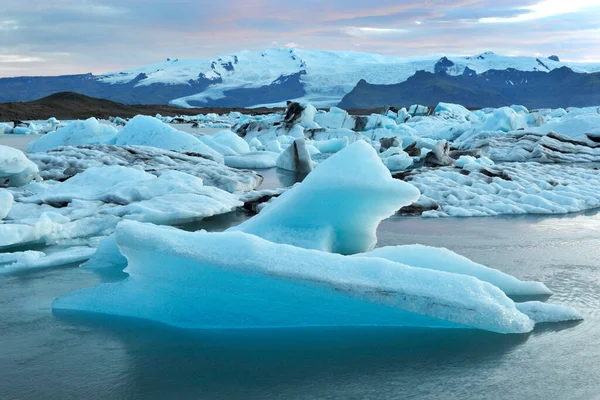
[(52, 37)]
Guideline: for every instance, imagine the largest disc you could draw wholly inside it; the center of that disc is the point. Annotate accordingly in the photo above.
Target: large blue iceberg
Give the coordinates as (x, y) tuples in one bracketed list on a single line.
[(284, 269)]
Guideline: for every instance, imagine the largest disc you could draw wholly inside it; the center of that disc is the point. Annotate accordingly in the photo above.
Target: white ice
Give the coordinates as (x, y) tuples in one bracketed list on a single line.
[(149, 131), (442, 259), (15, 168), (540, 312), (337, 207), (76, 133)]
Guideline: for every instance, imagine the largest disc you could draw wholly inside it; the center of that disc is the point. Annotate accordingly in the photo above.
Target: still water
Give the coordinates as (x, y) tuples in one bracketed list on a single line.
[(73, 356)]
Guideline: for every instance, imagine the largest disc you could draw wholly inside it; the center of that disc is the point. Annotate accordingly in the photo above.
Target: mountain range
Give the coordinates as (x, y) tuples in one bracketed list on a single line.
[(328, 78)]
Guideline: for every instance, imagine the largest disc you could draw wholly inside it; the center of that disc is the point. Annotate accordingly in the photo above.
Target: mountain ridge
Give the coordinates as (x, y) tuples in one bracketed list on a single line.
[(267, 78)]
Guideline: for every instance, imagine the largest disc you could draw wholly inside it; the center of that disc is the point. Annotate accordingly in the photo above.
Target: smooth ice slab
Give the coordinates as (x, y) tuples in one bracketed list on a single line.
[(338, 207), (236, 280), (441, 259), (546, 313), (149, 131), (76, 133)]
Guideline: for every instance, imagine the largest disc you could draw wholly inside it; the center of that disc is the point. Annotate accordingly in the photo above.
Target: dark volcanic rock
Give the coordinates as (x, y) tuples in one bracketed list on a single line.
[(360, 123), (560, 87), (442, 65), (293, 114), (412, 150), (438, 157), (388, 142)]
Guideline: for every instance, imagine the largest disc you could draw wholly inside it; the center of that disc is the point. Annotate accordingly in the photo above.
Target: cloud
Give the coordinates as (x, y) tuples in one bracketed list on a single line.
[(292, 45), (544, 9), (15, 58), (80, 36)]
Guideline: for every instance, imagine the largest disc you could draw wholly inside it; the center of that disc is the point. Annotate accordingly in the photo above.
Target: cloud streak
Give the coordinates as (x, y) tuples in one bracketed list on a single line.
[(80, 36)]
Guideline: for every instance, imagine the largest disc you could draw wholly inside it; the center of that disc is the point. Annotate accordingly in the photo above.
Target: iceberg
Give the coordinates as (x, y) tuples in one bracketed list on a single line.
[(226, 143), (296, 158), (237, 280), (6, 200), (253, 160), (62, 163), (149, 131), (337, 207), (484, 189), (15, 168), (76, 133), (91, 203)]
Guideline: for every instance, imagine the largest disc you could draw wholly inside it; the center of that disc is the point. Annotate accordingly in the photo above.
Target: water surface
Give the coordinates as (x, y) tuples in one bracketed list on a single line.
[(64, 356)]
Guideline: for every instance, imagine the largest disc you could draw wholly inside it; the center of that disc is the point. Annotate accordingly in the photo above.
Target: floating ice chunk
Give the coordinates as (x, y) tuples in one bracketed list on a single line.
[(21, 130), (226, 143), (331, 145), (441, 259), (274, 146), (540, 312), (296, 158), (454, 111), (6, 201), (520, 109), (470, 163), (149, 131), (5, 128), (398, 161), (334, 119), (62, 163), (107, 255), (509, 188), (91, 204), (253, 160), (236, 280), (76, 133), (15, 168), (51, 258), (19, 256), (337, 207), (505, 119)]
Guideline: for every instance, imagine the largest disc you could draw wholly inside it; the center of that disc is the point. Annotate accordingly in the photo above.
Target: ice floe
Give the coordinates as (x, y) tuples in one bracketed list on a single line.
[(62, 163), (92, 203), (441, 259), (149, 131), (509, 188), (51, 257), (90, 131), (337, 207), (15, 168)]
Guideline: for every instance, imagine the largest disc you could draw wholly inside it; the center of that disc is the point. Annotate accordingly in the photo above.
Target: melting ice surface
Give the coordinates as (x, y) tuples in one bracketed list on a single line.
[(238, 279)]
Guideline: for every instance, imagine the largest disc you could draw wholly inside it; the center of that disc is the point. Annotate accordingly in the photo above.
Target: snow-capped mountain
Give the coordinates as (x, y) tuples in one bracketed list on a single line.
[(250, 79)]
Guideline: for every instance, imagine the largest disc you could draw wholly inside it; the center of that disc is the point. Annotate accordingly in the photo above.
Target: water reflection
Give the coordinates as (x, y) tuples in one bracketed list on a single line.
[(296, 362)]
